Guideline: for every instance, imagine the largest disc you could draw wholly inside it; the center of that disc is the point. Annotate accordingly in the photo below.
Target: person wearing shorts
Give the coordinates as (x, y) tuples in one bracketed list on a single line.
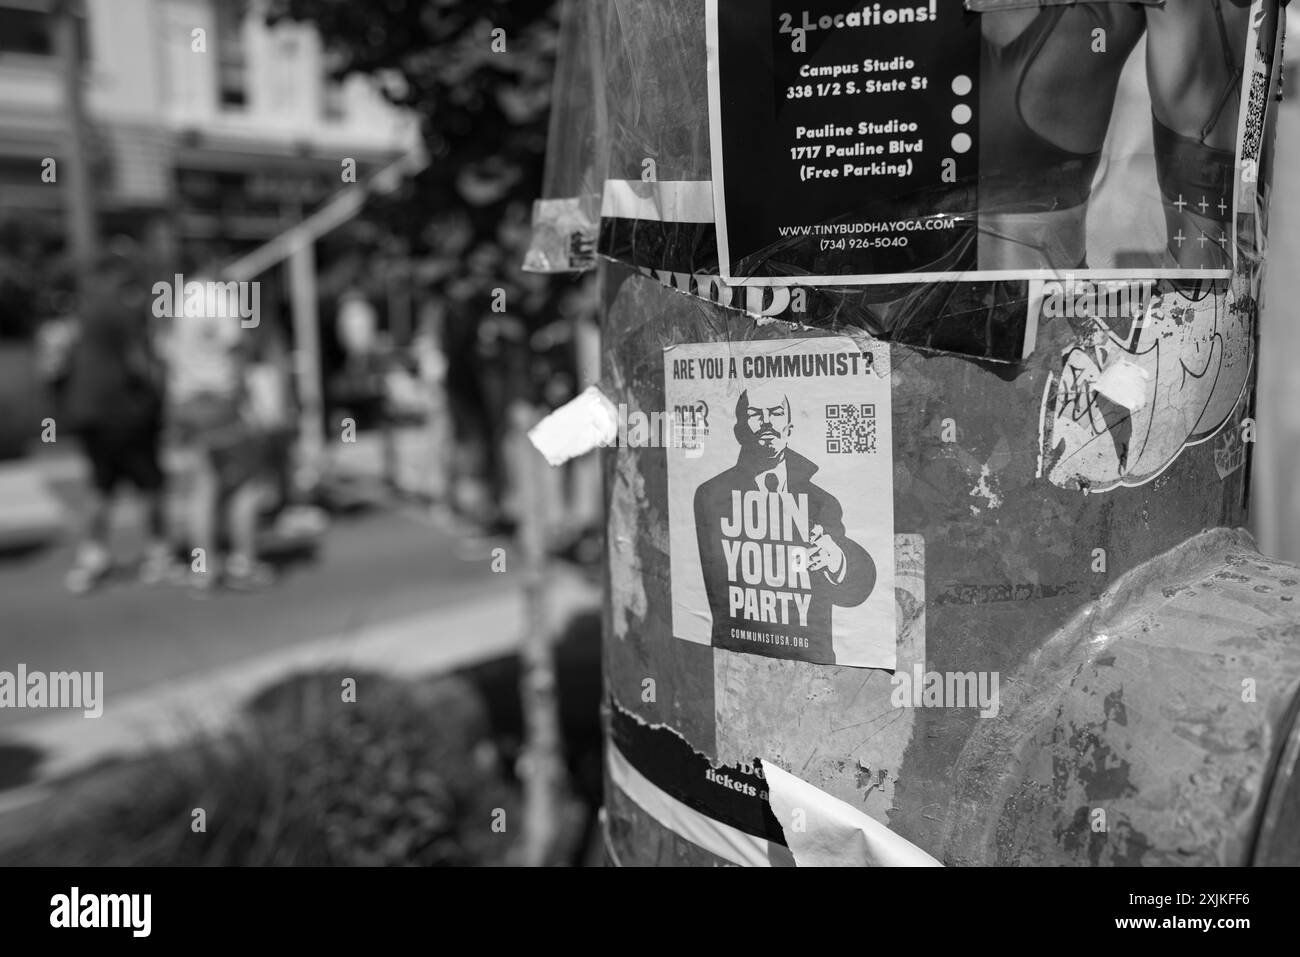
[(112, 403), (207, 411)]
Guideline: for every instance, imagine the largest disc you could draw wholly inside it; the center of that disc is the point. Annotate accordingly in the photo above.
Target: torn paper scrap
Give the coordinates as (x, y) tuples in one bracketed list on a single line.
[(1124, 383), (582, 424), (823, 831)]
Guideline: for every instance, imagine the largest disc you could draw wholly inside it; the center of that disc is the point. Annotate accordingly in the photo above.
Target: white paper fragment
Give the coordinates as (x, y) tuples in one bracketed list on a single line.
[(823, 831), (1124, 383), (586, 422)]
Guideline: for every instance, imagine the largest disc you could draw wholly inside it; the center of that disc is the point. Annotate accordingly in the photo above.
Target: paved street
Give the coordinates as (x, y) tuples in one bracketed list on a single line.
[(372, 567)]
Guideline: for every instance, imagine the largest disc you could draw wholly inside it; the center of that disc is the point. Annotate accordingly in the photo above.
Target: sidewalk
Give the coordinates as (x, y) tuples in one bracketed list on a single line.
[(166, 713), (372, 565), (389, 590)]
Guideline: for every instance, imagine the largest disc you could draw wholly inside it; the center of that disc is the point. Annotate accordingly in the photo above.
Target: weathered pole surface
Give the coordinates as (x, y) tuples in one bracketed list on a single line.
[(1052, 473)]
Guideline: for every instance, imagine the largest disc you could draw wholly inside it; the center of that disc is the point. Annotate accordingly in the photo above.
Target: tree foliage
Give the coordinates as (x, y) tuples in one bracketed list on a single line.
[(483, 112)]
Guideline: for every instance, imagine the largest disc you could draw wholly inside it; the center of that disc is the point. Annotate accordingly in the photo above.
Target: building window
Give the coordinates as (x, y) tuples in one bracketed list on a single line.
[(29, 31), (232, 64), (332, 104), (283, 90)]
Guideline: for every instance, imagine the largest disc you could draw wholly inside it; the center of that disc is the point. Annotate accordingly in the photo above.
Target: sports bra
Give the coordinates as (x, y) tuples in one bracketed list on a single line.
[(1020, 169), (1186, 167)]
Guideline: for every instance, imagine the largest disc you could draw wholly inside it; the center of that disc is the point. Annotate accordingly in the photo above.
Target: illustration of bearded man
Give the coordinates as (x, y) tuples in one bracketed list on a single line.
[(773, 548)]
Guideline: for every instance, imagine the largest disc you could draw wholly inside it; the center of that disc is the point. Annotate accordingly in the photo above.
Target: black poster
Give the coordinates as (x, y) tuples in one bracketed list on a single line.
[(864, 143), (857, 125)]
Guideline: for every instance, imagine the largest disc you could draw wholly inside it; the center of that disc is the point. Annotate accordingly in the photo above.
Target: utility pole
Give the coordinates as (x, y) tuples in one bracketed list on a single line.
[(542, 768), (1085, 592), (82, 232), (306, 331)]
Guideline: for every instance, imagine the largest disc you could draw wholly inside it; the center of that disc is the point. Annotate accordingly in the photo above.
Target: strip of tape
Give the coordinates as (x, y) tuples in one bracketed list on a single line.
[(671, 201)]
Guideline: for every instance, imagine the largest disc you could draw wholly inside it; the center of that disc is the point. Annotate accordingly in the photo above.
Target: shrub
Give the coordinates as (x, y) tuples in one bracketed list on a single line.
[(405, 775)]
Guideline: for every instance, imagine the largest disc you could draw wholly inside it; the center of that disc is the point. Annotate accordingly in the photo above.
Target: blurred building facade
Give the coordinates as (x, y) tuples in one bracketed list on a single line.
[(210, 132)]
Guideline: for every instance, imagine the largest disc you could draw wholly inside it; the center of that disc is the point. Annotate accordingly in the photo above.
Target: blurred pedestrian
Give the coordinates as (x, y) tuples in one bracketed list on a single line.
[(502, 362), (272, 413), (112, 402), (431, 368), (209, 409)]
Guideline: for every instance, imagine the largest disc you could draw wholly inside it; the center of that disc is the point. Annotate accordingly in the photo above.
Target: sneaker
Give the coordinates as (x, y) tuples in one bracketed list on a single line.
[(159, 565), (300, 521), (440, 515), (246, 574), (89, 569), (200, 584)]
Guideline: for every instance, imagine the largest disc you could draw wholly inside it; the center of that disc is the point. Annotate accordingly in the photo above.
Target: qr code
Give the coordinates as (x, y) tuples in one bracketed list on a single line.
[(1256, 104), (850, 428)]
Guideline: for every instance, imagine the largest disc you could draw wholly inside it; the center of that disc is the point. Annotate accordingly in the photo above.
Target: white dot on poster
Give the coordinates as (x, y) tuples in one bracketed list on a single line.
[(961, 85), (961, 143), (961, 114)]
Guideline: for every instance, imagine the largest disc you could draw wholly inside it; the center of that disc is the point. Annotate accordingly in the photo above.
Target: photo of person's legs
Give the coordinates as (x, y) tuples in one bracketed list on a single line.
[(159, 564), (203, 510), (1047, 91), (1196, 51), (141, 459), (243, 507), (92, 560)]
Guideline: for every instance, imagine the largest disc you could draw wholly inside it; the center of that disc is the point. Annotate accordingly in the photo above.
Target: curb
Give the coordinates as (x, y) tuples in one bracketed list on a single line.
[(422, 645)]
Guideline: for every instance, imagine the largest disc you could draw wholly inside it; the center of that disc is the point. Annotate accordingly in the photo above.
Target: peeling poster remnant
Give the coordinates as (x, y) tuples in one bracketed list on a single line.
[(823, 831), (1194, 350)]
